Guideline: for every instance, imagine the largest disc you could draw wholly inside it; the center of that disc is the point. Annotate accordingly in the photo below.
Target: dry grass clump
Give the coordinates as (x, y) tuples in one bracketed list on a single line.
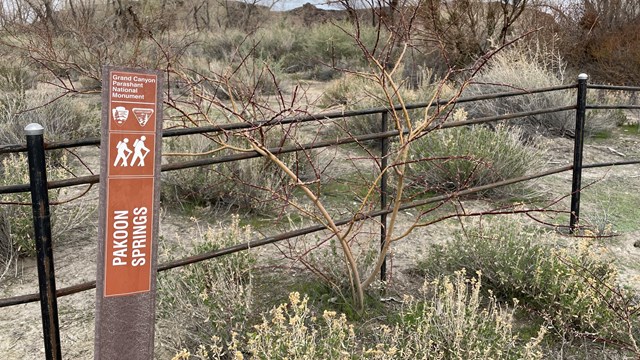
[(66, 219), (63, 119), (463, 157), (7, 250), (572, 288), (525, 68), (454, 320)]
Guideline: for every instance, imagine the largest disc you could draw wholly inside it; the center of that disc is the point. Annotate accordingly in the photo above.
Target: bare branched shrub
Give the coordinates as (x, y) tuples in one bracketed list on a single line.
[(461, 31), (600, 37)]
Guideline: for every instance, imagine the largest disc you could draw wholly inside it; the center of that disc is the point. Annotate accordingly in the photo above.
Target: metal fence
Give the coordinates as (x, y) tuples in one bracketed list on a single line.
[(37, 166)]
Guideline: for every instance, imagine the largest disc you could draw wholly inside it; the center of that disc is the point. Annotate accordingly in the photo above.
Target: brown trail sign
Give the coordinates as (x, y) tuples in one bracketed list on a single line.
[(128, 225)]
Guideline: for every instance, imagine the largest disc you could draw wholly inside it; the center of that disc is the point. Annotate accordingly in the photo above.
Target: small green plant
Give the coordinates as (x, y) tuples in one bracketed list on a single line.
[(463, 157)]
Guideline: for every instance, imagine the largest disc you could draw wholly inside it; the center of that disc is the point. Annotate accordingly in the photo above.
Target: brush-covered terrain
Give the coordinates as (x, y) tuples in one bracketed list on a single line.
[(482, 273)]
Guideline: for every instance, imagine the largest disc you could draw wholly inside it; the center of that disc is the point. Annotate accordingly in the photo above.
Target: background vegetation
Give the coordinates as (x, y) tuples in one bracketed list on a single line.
[(502, 288)]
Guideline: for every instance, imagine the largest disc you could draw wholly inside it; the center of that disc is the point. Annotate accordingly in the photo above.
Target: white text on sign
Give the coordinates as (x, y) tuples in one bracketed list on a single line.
[(129, 242)]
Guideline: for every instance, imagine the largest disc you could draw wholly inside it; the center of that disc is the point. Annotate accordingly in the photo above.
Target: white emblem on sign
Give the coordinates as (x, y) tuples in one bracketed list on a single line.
[(143, 115), (123, 153), (120, 114), (138, 149)]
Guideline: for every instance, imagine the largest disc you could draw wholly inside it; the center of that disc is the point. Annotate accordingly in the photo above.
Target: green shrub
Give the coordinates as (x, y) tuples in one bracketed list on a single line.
[(451, 321), (332, 45), (353, 92), (463, 157), (16, 78), (573, 288), (278, 43), (210, 298), (255, 184), (219, 46)]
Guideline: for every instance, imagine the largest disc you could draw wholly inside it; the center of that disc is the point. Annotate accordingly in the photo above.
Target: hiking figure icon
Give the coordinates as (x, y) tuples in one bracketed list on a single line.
[(123, 152), (138, 149)]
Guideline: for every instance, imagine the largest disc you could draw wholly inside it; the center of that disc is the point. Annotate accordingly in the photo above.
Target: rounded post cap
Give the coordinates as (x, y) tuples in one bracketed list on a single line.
[(33, 129), (583, 76)]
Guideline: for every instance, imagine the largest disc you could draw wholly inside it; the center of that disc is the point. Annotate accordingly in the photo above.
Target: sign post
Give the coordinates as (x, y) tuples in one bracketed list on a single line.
[(130, 148)]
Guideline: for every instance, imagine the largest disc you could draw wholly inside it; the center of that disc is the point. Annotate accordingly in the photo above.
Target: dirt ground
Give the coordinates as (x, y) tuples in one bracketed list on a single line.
[(21, 328)]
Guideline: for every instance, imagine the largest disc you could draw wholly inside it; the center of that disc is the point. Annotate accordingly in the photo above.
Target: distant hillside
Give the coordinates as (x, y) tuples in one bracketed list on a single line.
[(309, 14)]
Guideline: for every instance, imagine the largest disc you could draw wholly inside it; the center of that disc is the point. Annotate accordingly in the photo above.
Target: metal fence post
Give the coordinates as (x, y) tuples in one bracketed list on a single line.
[(576, 183), (42, 229), (384, 152)]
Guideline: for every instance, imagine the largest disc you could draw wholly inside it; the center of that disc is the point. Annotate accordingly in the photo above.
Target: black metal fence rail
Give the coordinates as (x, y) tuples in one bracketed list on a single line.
[(383, 136), (613, 87), (93, 179)]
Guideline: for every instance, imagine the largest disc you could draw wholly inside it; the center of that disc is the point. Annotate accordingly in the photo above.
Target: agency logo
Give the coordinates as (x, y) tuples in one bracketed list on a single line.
[(120, 115)]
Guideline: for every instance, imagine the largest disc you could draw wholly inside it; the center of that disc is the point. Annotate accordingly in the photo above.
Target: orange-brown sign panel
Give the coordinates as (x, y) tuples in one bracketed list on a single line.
[(128, 236)]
